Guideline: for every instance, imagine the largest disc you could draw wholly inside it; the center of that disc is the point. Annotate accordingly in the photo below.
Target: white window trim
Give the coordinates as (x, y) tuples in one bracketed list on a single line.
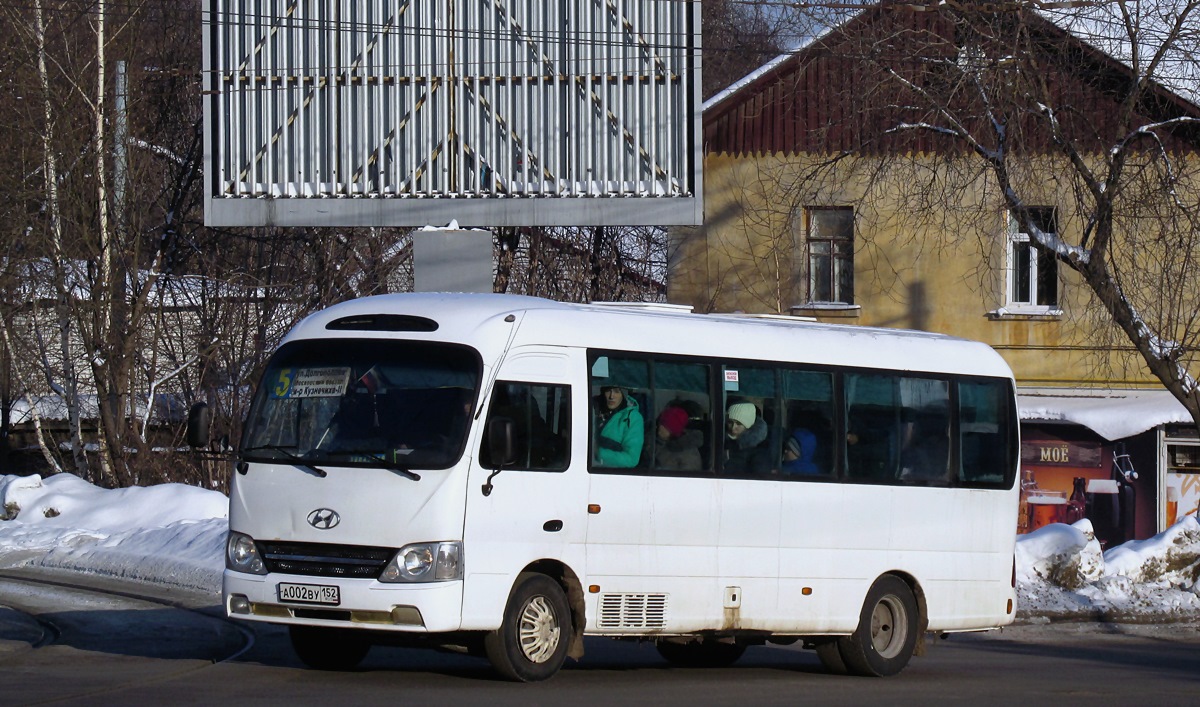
[(1011, 307)]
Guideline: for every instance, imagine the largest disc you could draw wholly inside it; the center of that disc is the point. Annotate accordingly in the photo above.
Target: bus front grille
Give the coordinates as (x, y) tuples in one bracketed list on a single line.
[(633, 611), (321, 560)]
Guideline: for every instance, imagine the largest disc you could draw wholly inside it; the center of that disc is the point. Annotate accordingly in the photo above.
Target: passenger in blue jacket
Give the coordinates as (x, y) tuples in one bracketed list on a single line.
[(798, 453), (621, 430)]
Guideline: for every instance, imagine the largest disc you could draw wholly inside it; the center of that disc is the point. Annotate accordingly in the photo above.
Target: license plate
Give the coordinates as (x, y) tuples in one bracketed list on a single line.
[(310, 594)]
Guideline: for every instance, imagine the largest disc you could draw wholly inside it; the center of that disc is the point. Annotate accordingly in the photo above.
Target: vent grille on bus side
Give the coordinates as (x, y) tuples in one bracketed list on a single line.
[(633, 610), (321, 560)]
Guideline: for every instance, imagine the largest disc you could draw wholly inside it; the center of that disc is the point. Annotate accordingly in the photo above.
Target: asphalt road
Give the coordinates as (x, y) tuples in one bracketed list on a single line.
[(66, 645)]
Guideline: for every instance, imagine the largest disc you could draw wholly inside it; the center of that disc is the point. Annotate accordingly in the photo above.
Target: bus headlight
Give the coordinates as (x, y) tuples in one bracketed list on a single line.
[(425, 562), (241, 555)]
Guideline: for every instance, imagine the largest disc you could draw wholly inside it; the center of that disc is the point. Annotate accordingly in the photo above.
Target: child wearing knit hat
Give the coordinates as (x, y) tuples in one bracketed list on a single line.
[(675, 446), (673, 420)]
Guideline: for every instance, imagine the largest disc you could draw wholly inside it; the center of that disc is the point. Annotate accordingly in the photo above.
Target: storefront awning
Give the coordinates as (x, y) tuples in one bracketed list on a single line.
[(1112, 414)]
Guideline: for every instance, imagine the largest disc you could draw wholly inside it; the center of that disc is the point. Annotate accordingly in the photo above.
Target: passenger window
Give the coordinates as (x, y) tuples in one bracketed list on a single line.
[(619, 411), (681, 427), (872, 427), (808, 447), (541, 416), (924, 430), (984, 419), (749, 435)]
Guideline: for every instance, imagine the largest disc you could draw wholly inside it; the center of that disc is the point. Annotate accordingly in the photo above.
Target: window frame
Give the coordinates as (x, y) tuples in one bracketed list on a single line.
[(1039, 259), (833, 283)]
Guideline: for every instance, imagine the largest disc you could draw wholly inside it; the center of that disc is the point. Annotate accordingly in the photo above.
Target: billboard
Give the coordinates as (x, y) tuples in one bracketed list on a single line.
[(486, 112)]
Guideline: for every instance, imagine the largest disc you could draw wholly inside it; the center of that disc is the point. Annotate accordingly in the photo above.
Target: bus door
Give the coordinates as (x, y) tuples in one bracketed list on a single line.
[(535, 508)]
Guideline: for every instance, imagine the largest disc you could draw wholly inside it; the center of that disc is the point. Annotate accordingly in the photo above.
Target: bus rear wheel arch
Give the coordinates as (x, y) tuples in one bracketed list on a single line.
[(886, 637)]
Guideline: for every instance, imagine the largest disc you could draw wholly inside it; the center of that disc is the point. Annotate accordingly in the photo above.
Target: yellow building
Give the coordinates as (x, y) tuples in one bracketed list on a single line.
[(813, 208)]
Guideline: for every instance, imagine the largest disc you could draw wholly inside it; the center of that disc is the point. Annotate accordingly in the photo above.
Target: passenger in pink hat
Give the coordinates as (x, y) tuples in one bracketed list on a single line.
[(675, 446)]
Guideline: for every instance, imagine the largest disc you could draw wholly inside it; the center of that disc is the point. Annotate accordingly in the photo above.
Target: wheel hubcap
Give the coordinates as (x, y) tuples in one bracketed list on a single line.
[(889, 627), (539, 630)]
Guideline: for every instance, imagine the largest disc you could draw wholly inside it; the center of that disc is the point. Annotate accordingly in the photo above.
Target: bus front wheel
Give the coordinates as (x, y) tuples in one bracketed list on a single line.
[(531, 645), (886, 635)]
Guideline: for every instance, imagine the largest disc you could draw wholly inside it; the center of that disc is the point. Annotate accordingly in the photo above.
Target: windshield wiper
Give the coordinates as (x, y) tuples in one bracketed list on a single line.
[(372, 456), (296, 460), (403, 472)]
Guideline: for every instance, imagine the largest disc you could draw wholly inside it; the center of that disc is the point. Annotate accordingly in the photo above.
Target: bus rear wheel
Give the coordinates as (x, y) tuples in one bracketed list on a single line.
[(701, 654), (531, 645), (886, 635), (328, 648)]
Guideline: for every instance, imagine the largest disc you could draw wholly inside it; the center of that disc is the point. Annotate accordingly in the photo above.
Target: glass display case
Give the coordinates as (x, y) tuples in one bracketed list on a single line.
[(1181, 485)]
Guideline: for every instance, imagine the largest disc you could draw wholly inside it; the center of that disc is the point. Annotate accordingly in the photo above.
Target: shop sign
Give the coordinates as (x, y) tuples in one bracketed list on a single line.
[(1055, 453)]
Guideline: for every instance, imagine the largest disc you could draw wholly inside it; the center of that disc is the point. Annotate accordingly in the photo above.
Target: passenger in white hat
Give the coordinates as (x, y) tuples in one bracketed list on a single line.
[(742, 416), (745, 433)]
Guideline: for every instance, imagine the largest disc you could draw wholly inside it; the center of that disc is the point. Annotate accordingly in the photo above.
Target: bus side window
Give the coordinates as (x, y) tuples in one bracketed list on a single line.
[(618, 396), (678, 431), (541, 418), (925, 429), (750, 444), (872, 427), (808, 448), (985, 430)]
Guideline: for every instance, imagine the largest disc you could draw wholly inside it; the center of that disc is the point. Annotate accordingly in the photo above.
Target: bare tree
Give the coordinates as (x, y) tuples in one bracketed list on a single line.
[(737, 38), (1019, 102), (114, 293), (88, 253), (583, 264)]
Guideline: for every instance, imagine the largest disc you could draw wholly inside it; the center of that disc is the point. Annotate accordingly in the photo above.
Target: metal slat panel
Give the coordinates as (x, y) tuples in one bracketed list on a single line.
[(476, 99)]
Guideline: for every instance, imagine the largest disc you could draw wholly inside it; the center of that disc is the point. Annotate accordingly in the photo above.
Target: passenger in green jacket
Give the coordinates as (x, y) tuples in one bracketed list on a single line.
[(621, 429)]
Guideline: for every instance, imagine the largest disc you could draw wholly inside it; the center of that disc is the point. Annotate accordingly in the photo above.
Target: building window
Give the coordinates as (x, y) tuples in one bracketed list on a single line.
[(1032, 270), (830, 235)]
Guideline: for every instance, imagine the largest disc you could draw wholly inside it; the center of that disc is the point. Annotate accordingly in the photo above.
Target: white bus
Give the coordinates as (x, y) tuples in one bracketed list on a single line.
[(506, 474)]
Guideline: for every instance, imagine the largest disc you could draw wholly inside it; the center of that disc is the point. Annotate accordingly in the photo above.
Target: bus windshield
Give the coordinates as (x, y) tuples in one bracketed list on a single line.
[(362, 402)]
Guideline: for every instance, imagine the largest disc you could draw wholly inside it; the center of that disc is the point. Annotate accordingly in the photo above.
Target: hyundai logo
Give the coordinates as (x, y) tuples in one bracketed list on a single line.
[(324, 518)]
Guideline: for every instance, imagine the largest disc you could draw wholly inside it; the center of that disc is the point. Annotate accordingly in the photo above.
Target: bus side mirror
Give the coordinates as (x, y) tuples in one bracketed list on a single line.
[(501, 448), (198, 423), (501, 436)]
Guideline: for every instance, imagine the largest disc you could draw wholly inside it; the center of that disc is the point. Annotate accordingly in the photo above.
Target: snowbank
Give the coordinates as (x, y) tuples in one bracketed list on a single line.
[(1061, 573), (171, 534)]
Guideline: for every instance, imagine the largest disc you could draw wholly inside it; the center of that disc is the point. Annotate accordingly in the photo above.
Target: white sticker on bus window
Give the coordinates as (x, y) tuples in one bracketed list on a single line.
[(731, 380), (311, 382)]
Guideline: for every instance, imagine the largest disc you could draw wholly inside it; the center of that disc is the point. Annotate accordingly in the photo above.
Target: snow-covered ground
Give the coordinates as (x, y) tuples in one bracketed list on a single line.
[(173, 535)]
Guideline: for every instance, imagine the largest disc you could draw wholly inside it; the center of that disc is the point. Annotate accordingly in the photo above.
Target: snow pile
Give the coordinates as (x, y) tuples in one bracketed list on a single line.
[(1061, 573), (170, 534), (175, 535)]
